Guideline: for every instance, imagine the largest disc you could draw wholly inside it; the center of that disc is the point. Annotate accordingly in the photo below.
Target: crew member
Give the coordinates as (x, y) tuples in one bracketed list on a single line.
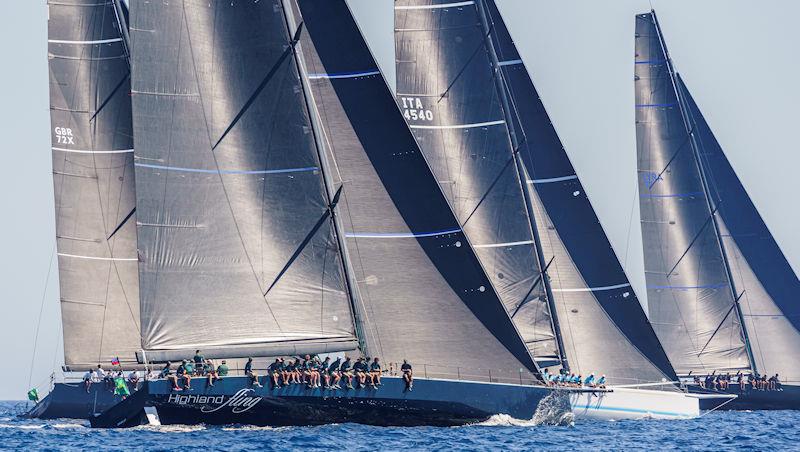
[(408, 375)]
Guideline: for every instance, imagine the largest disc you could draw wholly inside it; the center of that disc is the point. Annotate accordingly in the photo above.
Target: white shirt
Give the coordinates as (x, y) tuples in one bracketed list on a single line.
[(99, 374)]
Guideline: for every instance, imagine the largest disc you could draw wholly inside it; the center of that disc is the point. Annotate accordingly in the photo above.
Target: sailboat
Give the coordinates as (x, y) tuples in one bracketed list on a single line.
[(475, 112), (92, 147), (722, 296), (286, 209)]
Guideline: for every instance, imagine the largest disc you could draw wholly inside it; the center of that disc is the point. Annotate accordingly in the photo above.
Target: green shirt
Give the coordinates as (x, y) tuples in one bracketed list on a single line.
[(198, 359), (222, 370)]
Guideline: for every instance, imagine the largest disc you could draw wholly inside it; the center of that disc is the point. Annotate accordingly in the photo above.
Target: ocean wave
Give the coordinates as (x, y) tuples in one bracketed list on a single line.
[(68, 426), (170, 428), (23, 426)]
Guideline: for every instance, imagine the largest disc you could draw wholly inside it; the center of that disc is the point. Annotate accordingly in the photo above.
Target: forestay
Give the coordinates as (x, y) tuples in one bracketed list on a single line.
[(690, 300), (603, 326), (238, 250), (424, 295), (92, 145), (446, 92), (770, 288)]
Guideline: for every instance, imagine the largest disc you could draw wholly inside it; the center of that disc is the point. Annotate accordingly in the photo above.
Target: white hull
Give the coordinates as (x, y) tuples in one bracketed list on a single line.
[(629, 403)]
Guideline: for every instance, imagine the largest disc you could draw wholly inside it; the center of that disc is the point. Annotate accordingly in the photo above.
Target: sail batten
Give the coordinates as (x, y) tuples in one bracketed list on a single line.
[(92, 148)]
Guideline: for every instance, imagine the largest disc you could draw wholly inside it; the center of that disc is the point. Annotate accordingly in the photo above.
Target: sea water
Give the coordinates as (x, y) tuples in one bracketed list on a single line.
[(732, 430)]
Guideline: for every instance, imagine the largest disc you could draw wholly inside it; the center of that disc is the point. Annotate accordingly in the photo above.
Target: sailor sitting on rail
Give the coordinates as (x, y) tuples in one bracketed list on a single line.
[(248, 370), (334, 376), (360, 370), (375, 373), (274, 371), (210, 372), (199, 361), (346, 373), (601, 383), (408, 375), (166, 373), (185, 372), (589, 381), (87, 379), (322, 368)]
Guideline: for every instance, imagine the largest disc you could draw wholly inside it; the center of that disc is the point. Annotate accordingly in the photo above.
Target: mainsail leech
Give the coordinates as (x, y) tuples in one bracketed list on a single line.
[(92, 139)]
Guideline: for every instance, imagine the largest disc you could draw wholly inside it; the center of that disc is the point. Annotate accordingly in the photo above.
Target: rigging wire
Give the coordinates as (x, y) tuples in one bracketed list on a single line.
[(41, 311)]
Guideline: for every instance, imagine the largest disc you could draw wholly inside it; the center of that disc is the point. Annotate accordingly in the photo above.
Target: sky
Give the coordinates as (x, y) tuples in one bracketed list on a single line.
[(739, 58)]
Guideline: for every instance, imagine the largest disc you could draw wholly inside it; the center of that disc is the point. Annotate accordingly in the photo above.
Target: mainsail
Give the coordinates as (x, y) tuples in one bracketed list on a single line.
[(603, 325), (424, 294), (92, 143), (770, 288), (692, 305), (445, 90), (479, 117), (238, 248)]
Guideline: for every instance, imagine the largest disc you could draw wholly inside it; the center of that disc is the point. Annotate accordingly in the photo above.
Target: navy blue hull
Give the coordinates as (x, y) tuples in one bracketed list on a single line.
[(788, 399), (70, 400), (234, 401)]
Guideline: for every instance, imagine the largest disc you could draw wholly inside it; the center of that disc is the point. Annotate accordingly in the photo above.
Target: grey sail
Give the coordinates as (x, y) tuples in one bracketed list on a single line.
[(92, 143), (770, 288), (691, 303), (602, 324), (422, 293), (238, 248), (446, 92)]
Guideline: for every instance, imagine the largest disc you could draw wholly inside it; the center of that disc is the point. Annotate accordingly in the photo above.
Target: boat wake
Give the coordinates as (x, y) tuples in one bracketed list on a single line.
[(554, 409), (171, 428)]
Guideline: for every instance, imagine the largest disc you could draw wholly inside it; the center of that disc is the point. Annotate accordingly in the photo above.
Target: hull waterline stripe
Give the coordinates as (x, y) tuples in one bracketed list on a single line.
[(126, 259), (672, 195), (98, 41), (510, 62), (629, 410), (400, 235), (461, 126), (205, 171), (551, 179), (593, 289), (86, 151), (704, 286), (655, 105), (502, 245), (444, 5), (651, 62), (343, 75)]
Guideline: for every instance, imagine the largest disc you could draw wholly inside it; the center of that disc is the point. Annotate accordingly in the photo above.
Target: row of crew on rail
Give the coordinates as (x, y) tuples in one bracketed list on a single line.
[(756, 382), (309, 371), (572, 380)]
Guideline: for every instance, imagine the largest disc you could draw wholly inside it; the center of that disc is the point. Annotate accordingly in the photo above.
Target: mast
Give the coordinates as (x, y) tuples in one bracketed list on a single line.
[(332, 196), (123, 29), (706, 192), (502, 92)]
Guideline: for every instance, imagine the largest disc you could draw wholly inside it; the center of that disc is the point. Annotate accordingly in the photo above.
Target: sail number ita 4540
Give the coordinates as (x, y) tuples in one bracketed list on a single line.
[(413, 110)]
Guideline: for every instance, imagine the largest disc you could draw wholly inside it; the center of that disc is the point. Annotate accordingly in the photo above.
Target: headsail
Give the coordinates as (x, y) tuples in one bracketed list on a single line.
[(238, 250), (92, 143), (603, 325), (424, 295), (770, 288), (692, 306), (446, 91)]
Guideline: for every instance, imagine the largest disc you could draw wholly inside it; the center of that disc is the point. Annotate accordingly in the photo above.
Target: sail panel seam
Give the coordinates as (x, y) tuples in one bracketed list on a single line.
[(221, 171), (461, 126)]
